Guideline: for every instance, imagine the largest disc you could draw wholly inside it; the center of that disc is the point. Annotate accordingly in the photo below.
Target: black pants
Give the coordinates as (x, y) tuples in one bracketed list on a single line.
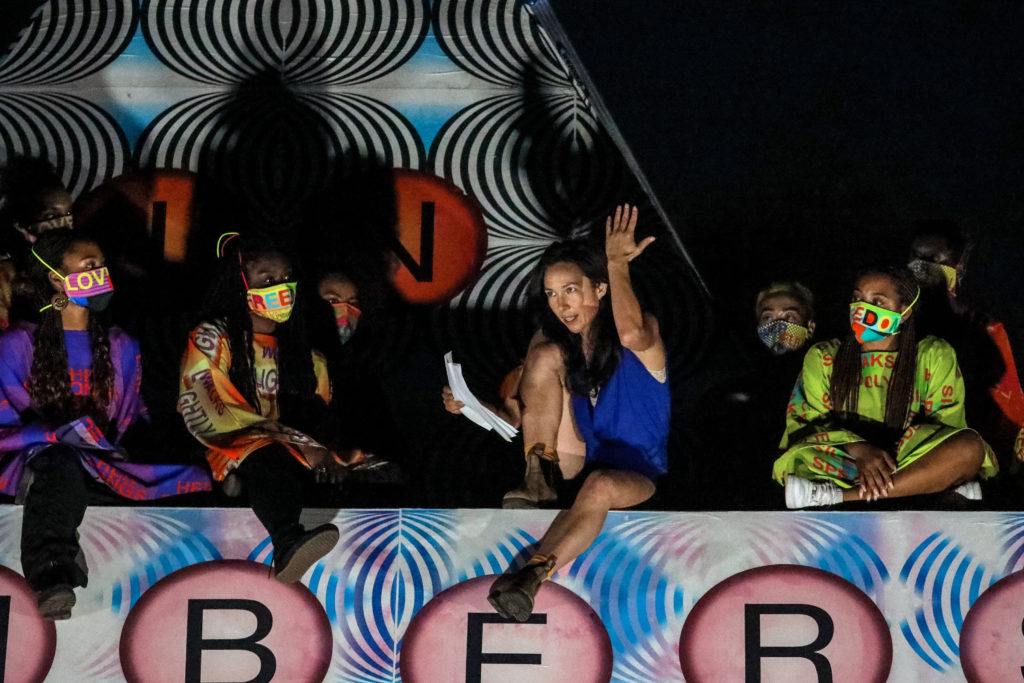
[(54, 507), (274, 482)]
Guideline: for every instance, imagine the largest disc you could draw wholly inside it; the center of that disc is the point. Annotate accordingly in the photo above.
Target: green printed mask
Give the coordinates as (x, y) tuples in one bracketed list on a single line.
[(872, 323)]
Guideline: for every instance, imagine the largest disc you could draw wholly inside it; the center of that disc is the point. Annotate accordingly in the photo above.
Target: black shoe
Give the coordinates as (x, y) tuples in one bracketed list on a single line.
[(512, 594), (299, 556), (56, 601)]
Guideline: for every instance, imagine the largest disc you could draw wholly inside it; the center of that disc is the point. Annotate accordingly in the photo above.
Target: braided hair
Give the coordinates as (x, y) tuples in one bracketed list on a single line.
[(844, 386), (50, 377), (226, 306)]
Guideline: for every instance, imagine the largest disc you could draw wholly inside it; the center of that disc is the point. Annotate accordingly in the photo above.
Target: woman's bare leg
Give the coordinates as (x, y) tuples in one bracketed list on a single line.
[(570, 534), (954, 461), (544, 409), (573, 530)]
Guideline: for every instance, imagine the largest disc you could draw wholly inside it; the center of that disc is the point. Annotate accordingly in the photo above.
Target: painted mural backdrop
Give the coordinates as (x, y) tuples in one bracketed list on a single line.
[(273, 97), (904, 597)]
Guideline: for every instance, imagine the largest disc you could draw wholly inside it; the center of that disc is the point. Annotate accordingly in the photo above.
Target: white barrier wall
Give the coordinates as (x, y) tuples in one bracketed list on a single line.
[(184, 594)]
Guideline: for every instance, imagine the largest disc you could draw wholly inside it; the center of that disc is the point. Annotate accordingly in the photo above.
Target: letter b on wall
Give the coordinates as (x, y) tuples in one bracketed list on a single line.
[(226, 620), (785, 623)]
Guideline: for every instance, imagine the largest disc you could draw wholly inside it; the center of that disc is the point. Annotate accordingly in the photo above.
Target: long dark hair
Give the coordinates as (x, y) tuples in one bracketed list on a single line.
[(846, 375), (49, 379), (225, 305), (581, 376)]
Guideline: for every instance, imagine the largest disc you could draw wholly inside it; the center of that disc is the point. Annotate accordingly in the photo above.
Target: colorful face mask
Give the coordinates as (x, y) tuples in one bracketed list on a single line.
[(39, 227), (782, 336), (91, 289), (347, 317), (274, 302), (929, 271), (873, 323)]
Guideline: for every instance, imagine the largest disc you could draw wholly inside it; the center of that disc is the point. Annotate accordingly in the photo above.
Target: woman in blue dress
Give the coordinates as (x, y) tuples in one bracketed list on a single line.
[(601, 347)]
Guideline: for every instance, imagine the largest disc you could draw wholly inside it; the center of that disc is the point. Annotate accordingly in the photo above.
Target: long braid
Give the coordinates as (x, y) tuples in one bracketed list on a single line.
[(844, 387), (49, 381), (901, 386), (101, 377)]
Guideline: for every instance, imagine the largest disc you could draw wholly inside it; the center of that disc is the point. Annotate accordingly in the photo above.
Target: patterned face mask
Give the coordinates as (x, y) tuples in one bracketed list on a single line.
[(274, 302), (90, 289), (37, 228), (929, 271), (782, 336), (347, 317), (872, 323)]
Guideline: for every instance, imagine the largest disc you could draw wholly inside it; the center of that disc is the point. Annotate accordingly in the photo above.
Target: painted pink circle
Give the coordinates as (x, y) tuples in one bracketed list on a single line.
[(31, 639), (153, 640), (712, 645), (991, 642), (573, 643)]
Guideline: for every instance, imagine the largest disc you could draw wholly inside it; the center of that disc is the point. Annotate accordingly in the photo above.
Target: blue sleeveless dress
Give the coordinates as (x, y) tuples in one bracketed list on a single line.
[(627, 429)]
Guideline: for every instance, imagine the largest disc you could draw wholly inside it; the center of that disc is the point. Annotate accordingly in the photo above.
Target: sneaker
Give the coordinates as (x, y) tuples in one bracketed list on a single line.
[(56, 601), (804, 493), (298, 557), (970, 490)]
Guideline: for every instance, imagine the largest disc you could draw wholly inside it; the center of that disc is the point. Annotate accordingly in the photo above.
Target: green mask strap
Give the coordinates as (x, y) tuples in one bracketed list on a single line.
[(52, 270), (222, 242), (916, 297)]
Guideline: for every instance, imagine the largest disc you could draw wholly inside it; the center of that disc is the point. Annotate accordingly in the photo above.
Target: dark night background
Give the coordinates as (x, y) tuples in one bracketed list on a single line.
[(800, 139)]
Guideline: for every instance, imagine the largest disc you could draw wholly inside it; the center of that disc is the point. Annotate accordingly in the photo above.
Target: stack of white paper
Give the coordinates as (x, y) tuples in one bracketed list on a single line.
[(473, 409)]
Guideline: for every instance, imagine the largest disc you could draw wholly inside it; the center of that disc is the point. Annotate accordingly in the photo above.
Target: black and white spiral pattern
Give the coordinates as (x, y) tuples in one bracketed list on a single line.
[(338, 42), (277, 153), (541, 169), (498, 41), (75, 135), (68, 40)]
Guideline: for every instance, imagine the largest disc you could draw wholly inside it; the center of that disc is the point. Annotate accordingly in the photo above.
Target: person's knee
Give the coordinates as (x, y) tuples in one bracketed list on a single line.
[(274, 458), (600, 487), (970, 448), (53, 459), (546, 357)]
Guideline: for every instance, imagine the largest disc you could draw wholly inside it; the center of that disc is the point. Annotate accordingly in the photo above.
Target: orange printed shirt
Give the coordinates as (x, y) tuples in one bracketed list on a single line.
[(217, 414)]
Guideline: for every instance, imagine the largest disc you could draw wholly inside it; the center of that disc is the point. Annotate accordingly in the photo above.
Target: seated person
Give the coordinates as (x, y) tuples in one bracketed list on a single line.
[(70, 392), (994, 399), (612, 361), (879, 414), (255, 394), (753, 401), (530, 402), (371, 434), (33, 200)]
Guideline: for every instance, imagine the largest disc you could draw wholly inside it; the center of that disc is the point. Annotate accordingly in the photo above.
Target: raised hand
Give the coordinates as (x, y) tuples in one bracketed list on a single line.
[(620, 236)]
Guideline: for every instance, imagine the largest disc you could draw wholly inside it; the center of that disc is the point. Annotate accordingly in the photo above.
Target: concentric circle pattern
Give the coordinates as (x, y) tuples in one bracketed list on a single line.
[(539, 167), (498, 41), (340, 42), (79, 138), (948, 579), (276, 152), (68, 40)]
